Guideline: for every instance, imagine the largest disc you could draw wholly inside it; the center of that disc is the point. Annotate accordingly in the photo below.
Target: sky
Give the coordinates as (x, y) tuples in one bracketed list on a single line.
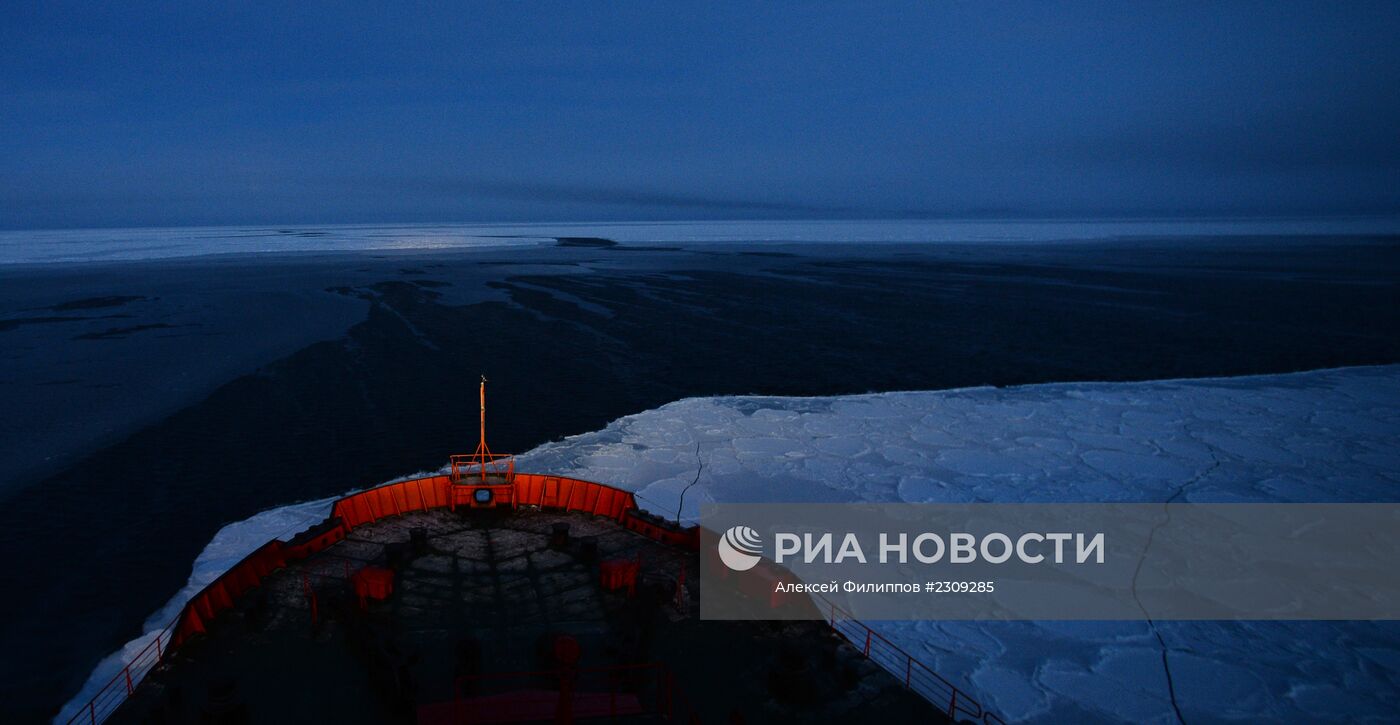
[(137, 114)]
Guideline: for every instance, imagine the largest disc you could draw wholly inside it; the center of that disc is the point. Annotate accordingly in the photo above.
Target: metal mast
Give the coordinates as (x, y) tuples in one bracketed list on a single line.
[(483, 453)]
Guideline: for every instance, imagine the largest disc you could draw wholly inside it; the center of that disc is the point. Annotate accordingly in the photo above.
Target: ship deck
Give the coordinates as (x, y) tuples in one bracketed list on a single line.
[(478, 608)]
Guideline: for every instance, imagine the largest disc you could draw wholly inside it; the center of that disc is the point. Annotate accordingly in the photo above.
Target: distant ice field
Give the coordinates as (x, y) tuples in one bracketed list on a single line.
[(112, 245), (1324, 436), (126, 245)]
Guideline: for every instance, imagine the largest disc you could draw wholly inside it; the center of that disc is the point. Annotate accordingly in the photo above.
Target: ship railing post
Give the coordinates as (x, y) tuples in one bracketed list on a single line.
[(127, 671), (908, 670), (866, 653), (92, 711), (953, 703)]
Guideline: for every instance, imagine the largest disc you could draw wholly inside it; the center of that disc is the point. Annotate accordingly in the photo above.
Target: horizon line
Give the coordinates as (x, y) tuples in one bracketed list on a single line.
[(1243, 217)]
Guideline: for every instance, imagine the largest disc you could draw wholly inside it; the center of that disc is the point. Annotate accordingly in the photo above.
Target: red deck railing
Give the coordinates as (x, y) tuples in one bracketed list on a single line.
[(555, 492), (120, 687), (917, 676), (481, 465), (357, 509)]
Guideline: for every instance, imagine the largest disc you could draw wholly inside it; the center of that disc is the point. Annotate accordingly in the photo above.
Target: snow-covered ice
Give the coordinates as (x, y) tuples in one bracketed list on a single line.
[(1325, 436)]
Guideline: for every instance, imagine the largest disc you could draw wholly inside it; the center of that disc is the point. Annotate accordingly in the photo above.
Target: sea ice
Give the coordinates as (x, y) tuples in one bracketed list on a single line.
[(1331, 435)]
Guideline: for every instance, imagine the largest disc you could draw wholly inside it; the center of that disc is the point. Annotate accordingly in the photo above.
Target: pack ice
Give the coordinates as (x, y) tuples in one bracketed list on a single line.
[(1325, 436)]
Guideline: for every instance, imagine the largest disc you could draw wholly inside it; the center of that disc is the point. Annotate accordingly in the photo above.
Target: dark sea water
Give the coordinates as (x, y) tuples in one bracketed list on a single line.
[(145, 404)]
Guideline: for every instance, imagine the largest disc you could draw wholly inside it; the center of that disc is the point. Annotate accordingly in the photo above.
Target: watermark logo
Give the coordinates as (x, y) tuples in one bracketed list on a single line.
[(740, 548)]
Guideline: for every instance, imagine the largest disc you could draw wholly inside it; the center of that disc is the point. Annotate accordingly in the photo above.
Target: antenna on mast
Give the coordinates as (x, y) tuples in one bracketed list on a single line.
[(481, 447)]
